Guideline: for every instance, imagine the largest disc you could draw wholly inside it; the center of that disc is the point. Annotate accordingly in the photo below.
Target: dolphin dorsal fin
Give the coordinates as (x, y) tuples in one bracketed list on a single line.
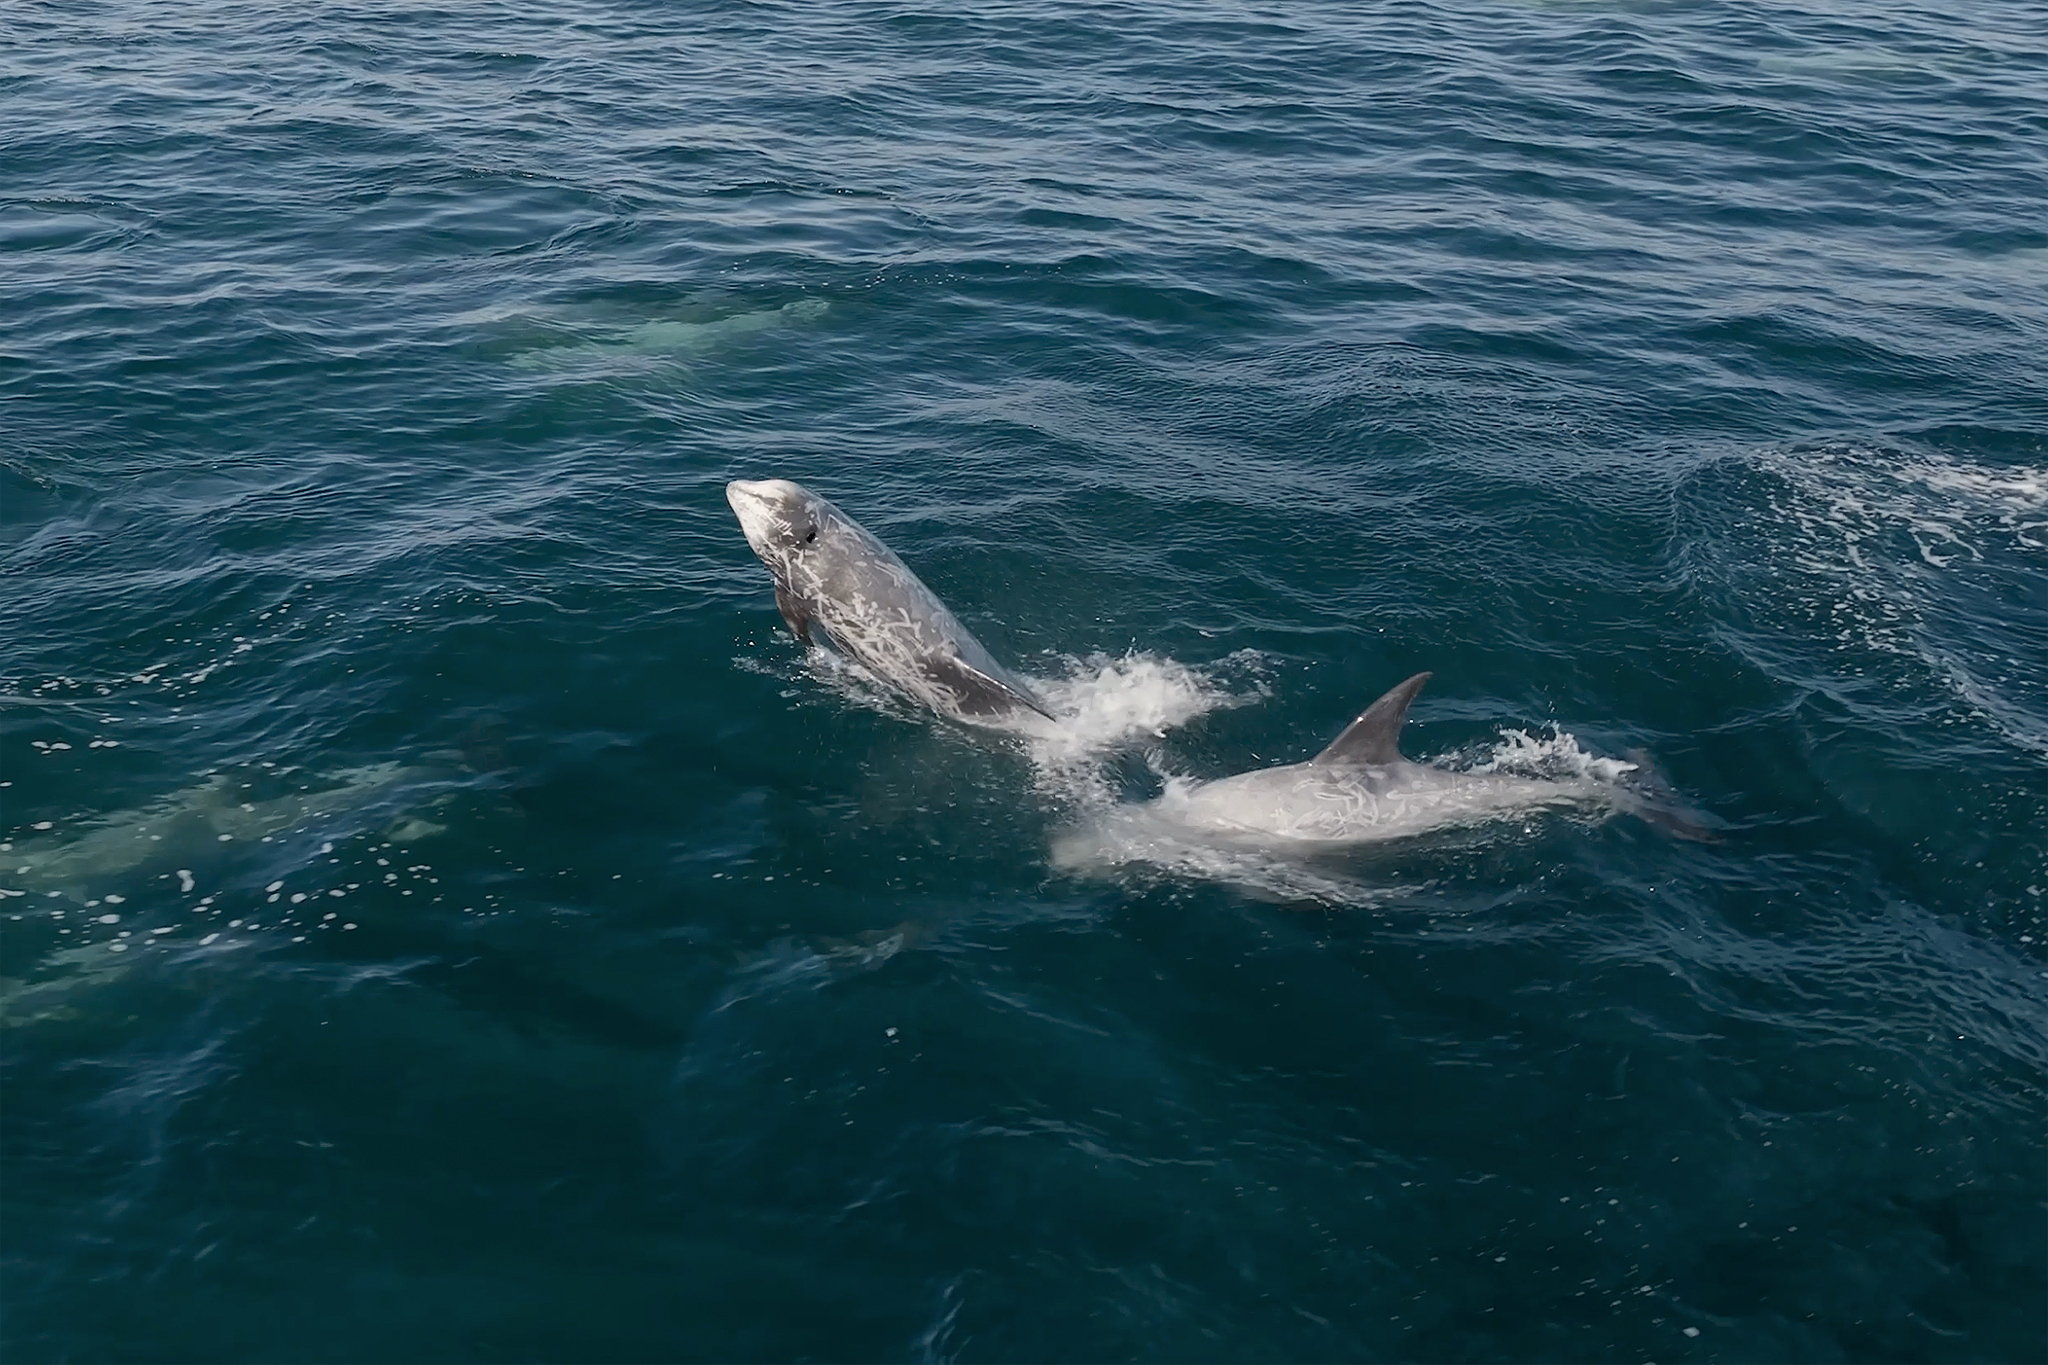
[(1375, 737)]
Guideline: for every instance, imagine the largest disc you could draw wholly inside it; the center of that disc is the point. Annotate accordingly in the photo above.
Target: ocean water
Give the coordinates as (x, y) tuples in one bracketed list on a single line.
[(448, 918)]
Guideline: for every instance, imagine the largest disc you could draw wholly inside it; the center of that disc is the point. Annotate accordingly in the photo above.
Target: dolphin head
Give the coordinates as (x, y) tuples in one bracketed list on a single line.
[(781, 520), (828, 569)]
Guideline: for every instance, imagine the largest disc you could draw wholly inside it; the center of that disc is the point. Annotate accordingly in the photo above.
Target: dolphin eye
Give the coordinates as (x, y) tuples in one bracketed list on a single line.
[(810, 535)]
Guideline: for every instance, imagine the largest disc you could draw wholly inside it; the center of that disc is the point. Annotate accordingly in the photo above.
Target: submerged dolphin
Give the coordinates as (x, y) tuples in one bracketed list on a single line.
[(190, 825), (1360, 790), (673, 339), (829, 570)]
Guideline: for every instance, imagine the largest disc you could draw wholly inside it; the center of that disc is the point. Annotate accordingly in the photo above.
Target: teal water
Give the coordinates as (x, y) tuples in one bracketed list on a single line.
[(459, 923)]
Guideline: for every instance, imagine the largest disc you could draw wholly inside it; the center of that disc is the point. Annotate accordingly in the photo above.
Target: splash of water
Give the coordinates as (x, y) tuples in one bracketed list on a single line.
[(1102, 703), (1107, 703), (1557, 757)]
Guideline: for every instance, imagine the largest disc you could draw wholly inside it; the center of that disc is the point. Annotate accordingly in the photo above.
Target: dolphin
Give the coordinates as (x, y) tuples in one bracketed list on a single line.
[(673, 339), (829, 570), (1361, 790), (191, 825)]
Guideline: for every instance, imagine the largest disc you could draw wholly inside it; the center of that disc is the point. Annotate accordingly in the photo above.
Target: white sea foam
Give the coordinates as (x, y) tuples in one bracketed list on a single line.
[(1106, 703), (1956, 512), (1557, 757), (1908, 553)]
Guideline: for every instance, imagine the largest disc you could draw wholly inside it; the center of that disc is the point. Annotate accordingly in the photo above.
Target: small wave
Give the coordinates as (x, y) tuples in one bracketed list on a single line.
[(1906, 552), (1972, 529), (2010, 720)]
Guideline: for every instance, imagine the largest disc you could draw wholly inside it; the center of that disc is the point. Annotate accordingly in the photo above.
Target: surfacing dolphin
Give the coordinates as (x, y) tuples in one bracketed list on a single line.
[(831, 571), (1361, 790)]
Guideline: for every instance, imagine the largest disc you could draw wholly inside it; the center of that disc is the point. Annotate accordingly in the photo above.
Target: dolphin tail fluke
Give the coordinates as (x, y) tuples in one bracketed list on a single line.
[(1374, 739), (1660, 805)]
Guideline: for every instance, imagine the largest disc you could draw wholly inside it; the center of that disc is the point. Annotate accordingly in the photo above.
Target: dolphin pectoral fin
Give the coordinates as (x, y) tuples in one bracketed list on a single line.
[(793, 614), (1374, 738), (978, 693)]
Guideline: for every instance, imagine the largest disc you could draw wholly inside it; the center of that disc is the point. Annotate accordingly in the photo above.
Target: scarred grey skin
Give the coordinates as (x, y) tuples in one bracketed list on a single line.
[(830, 572)]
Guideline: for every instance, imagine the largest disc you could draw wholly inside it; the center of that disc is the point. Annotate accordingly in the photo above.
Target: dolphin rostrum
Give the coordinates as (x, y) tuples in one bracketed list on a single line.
[(830, 571), (1360, 790)]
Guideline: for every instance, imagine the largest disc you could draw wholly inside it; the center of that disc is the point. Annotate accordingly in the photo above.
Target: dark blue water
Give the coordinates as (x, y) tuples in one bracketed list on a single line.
[(459, 923)]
